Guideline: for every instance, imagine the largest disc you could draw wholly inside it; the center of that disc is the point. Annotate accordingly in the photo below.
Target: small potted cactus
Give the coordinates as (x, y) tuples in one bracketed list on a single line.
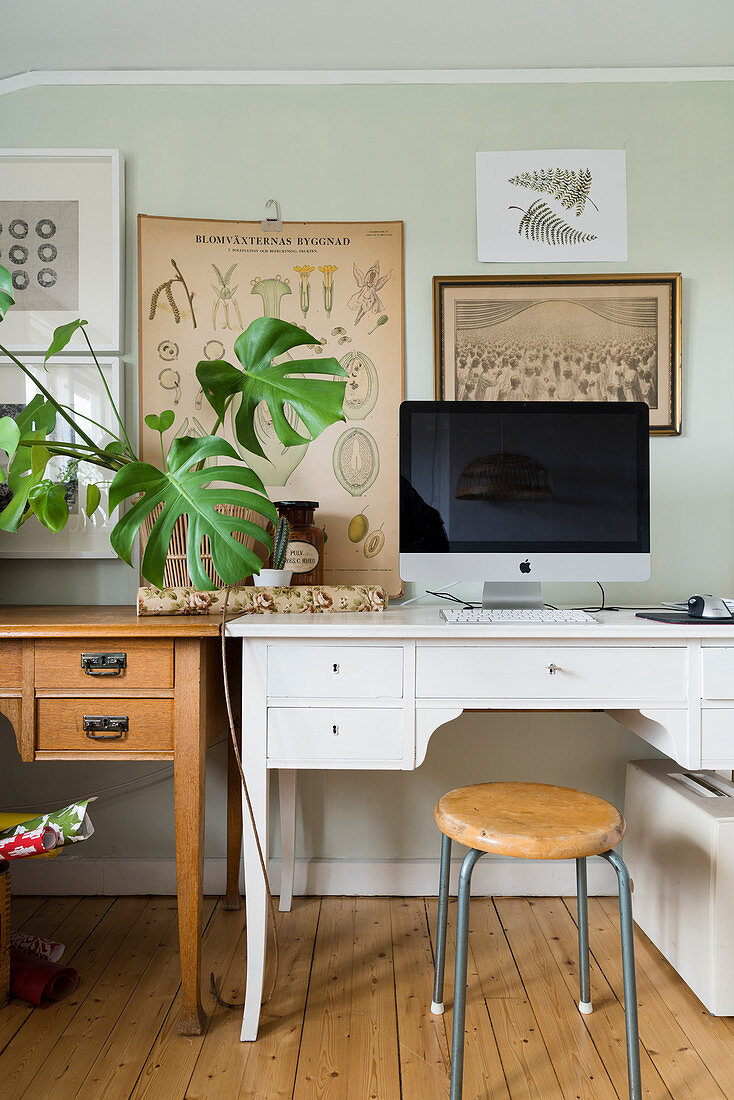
[(278, 574)]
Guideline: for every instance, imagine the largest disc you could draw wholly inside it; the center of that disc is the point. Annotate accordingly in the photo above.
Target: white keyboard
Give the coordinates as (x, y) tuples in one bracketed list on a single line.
[(510, 615)]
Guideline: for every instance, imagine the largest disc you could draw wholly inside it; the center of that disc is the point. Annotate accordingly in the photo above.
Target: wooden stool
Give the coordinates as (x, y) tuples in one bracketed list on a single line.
[(531, 821)]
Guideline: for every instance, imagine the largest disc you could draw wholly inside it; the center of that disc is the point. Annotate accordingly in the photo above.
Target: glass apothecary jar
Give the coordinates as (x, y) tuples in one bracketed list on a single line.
[(306, 548)]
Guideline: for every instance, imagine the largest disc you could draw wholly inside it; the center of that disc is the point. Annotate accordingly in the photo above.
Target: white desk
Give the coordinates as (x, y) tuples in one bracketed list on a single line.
[(339, 691)]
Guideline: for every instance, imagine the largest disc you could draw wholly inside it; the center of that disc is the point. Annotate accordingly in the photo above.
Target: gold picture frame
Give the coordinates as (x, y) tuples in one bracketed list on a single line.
[(562, 337)]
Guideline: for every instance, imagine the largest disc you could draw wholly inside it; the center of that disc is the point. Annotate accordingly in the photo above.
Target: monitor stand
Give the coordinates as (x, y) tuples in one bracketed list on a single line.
[(513, 594)]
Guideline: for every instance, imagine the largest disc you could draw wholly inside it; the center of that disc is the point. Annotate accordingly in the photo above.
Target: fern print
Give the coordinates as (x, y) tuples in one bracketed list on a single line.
[(570, 188), (539, 223)]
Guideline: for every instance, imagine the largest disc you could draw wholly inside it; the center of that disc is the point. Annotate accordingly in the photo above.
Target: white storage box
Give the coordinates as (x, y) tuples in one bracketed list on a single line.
[(679, 848)]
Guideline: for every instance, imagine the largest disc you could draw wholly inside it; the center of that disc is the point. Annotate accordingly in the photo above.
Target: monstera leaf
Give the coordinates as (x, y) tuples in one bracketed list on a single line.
[(318, 402), (7, 298), (185, 488), (48, 502), (9, 439), (28, 460)]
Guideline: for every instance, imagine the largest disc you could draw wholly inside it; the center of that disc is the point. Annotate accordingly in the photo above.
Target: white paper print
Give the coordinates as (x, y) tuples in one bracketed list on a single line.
[(551, 205)]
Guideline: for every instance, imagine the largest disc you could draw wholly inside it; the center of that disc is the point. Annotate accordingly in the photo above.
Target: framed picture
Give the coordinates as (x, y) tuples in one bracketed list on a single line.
[(61, 239), (563, 337), (202, 282), (73, 382), (551, 206)]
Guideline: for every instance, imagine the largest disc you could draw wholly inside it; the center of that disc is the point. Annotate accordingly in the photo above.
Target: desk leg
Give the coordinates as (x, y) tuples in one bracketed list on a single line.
[(188, 778), (232, 899), (254, 763), (287, 790)]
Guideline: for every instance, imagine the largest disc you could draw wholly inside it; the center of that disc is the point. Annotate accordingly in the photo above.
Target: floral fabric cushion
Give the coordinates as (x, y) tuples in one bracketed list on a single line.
[(297, 599)]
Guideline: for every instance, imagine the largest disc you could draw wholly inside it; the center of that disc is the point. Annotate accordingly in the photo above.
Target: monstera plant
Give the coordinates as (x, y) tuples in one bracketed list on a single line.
[(199, 478)]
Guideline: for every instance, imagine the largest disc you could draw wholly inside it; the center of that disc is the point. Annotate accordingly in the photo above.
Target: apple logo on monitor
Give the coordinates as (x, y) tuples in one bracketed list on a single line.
[(525, 566)]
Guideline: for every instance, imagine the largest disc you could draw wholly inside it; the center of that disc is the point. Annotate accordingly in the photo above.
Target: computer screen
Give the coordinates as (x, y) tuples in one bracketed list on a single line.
[(533, 479)]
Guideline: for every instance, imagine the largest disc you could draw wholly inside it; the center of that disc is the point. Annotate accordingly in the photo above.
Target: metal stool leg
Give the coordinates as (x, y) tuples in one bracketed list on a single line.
[(443, 912), (462, 947), (582, 906), (628, 963)]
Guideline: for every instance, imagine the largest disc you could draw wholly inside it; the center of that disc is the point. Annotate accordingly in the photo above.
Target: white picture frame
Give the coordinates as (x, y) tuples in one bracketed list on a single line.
[(61, 238), (75, 382), (552, 206)]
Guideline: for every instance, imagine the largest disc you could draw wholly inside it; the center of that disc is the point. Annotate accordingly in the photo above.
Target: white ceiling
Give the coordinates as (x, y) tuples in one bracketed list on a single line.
[(363, 34)]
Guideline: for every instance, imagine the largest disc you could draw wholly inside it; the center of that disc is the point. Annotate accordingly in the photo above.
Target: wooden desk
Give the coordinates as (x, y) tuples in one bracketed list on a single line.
[(170, 692)]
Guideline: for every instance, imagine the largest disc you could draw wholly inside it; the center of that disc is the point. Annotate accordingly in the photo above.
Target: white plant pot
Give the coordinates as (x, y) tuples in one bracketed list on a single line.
[(271, 578)]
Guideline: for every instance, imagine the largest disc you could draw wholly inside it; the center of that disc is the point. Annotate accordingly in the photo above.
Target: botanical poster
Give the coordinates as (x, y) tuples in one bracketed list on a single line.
[(201, 282), (551, 205)]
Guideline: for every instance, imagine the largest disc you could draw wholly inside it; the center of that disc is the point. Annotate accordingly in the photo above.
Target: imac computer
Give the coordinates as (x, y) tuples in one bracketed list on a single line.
[(513, 493)]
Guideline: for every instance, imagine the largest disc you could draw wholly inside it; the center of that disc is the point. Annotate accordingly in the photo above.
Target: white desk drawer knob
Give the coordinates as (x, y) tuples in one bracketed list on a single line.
[(553, 668), (335, 730)]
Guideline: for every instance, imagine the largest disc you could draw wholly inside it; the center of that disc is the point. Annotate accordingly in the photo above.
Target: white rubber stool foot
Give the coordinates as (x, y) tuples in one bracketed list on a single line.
[(586, 1007), (436, 1008)]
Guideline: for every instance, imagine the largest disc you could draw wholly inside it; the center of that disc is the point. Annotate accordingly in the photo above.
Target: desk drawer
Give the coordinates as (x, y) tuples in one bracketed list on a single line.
[(11, 665), (717, 670), (334, 736), (717, 738), (60, 725), (335, 672), (551, 672), (148, 663)]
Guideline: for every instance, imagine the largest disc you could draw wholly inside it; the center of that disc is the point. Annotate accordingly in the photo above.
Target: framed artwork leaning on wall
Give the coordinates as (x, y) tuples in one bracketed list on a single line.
[(61, 239), (77, 384), (561, 337)]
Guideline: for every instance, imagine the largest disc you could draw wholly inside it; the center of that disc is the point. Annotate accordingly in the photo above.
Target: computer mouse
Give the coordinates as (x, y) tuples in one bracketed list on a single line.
[(708, 607)]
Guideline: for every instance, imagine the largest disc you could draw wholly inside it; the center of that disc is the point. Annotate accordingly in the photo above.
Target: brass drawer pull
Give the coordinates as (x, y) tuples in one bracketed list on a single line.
[(106, 727), (104, 664)]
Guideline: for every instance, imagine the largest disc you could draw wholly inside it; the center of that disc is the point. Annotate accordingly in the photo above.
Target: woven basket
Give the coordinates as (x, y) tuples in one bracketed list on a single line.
[(175, 573), (4, 934), (504, 476)]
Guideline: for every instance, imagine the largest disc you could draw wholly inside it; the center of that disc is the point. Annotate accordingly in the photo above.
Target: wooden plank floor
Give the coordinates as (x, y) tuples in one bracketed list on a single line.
[(350, 1019)]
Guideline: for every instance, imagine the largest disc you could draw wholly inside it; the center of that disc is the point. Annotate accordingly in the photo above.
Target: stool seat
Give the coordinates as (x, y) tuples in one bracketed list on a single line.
[(529, 820)]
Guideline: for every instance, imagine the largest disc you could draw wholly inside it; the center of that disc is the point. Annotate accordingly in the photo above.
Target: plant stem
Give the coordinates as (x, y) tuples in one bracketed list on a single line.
[(89, 420), (67, 450), (109, 395), (49, 397), (220, 419), (217, 426)]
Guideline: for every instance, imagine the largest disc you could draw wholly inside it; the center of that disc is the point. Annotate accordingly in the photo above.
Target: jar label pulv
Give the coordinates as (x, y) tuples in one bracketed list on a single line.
[(302, 557)]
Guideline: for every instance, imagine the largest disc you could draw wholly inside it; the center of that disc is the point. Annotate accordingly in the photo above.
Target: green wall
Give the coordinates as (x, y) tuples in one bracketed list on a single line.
[(388, 152)]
